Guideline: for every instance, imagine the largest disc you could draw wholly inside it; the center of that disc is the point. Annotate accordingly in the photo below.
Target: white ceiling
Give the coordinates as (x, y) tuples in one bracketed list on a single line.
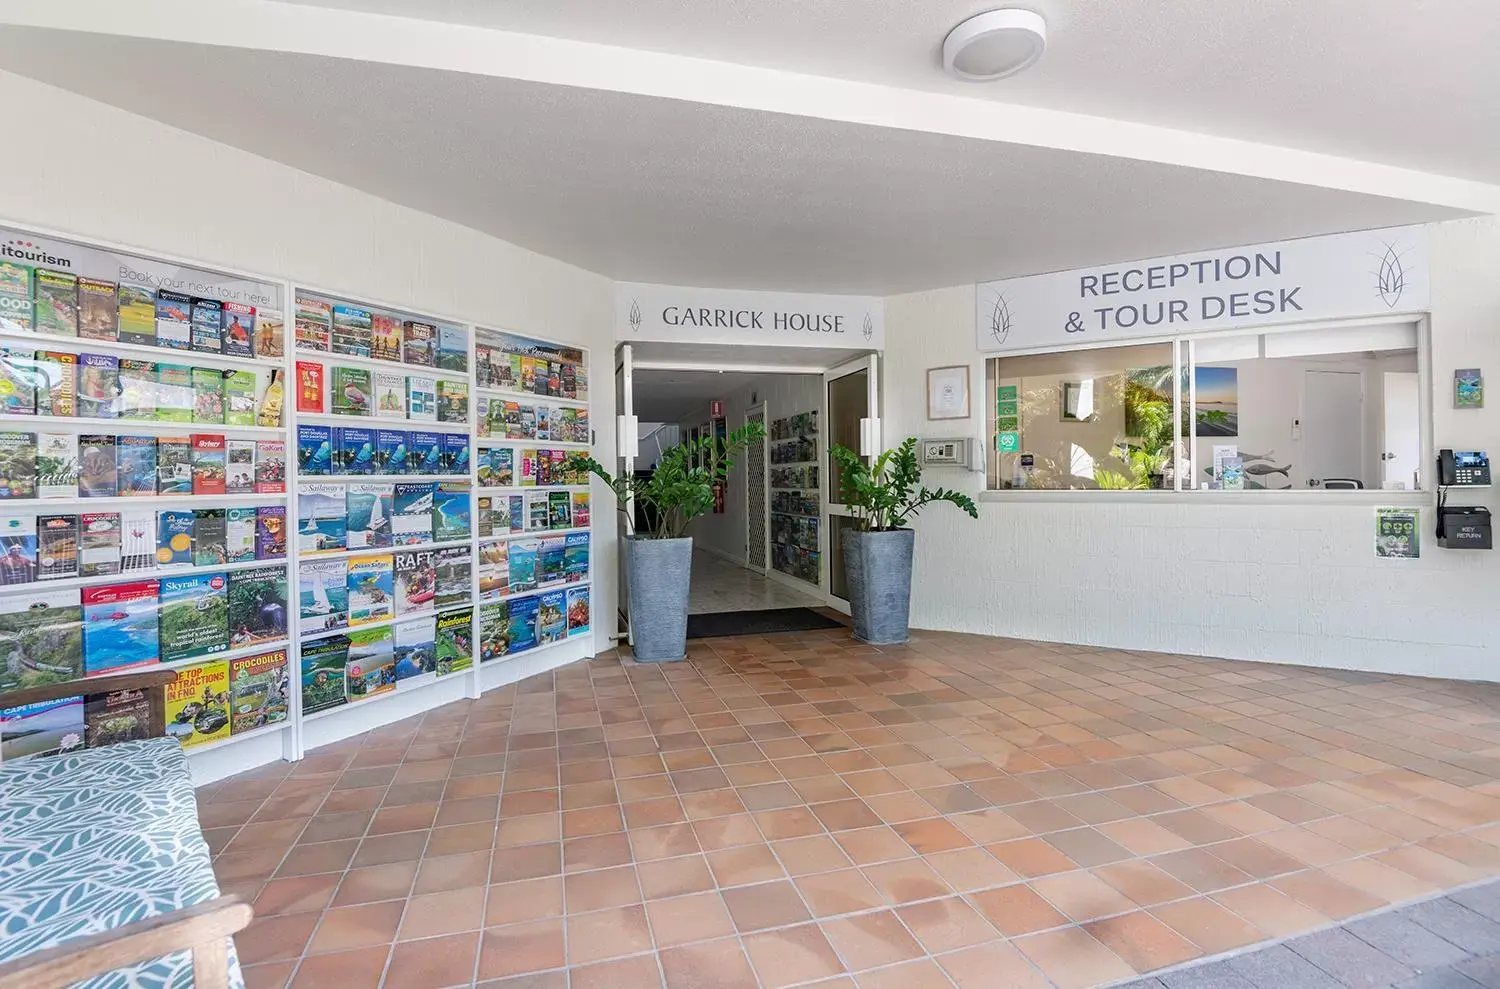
[(697, 157), (672, 396), (1409, 82), (657, 190)]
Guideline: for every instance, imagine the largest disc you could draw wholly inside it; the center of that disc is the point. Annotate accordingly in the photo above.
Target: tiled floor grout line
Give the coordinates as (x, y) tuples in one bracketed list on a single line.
[(808, 716), (738, 935)]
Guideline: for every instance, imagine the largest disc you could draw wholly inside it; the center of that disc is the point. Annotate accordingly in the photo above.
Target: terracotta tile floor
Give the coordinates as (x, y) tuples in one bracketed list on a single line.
[(803, 810)]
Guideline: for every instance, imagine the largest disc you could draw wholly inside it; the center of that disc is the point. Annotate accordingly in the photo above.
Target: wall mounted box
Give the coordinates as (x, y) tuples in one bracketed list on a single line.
[(1465, 528), (957, 452)]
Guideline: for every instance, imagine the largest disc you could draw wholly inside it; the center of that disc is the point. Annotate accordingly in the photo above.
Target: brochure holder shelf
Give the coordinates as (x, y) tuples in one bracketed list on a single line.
[(185, 460)]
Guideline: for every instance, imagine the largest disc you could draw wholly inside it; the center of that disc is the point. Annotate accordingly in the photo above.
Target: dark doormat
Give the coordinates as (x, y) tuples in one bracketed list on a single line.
[(757, 622)]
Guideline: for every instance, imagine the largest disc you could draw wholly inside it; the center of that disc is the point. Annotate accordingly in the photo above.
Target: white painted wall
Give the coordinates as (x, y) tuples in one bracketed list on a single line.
[(1294, 580), (784, 395), (136, 182)]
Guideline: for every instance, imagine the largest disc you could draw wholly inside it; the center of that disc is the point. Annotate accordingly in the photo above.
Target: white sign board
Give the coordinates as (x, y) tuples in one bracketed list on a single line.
[(1374, 272), (677, 314), (17, 247)]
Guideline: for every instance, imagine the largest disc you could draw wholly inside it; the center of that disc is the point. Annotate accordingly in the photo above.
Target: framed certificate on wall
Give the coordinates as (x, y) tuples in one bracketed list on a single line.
[(948, 392)]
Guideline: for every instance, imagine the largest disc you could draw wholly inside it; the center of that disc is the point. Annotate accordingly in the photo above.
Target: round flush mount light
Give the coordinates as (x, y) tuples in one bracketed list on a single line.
[(995, 44)]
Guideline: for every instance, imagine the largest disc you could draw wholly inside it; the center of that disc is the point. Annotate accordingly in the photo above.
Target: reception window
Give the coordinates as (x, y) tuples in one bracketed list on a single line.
[(1304, 410)]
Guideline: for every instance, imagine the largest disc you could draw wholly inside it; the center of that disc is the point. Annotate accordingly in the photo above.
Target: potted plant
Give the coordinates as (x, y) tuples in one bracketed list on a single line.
[(878, 551), (659, 560)]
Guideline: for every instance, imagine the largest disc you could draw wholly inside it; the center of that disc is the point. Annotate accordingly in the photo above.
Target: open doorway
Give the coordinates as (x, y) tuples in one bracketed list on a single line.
[(762, 547)]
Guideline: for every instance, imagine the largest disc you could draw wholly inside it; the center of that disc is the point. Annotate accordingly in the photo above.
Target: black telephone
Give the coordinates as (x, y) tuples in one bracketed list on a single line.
[(1464, 469)]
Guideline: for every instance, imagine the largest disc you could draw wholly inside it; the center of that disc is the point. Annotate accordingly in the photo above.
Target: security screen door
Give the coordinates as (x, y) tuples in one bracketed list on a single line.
[(756, 545), (851, 415)]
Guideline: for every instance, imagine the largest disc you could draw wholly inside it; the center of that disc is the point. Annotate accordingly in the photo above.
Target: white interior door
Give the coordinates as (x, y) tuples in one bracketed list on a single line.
[(627, 439), (1333, 426), (851, 418), (757, 532), (1401, 451)]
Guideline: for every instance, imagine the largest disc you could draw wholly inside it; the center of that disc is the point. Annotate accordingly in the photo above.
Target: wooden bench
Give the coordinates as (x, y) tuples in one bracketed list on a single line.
[(103, 866)]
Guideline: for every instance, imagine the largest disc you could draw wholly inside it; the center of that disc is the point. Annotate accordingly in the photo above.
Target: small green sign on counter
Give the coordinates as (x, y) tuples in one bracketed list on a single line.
[(1008, 442)]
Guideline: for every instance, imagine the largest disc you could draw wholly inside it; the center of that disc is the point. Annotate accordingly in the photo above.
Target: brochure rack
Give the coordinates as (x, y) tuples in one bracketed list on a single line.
[(535, 574), (224, 394), (144, 498), (795, 502)]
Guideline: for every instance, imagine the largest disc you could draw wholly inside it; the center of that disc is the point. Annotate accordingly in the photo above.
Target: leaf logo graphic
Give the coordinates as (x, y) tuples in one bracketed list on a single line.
[(1390, 277), (1000, 318), (635, 315), (869, 327)]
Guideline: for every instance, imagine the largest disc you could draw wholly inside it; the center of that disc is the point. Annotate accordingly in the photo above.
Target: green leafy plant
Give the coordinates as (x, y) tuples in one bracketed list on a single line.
[(1141, 463), (681, 488), (888, 492), (1148, 416)]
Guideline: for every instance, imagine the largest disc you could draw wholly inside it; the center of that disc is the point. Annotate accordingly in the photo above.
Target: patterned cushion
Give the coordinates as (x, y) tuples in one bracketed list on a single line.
[(96, 840)]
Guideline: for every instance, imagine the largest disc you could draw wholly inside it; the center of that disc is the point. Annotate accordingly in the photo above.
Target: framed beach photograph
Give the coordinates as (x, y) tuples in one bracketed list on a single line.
[(948, 392)]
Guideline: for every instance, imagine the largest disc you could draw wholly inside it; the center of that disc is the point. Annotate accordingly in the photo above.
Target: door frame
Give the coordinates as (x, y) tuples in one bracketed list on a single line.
[(627, 444), (869, 446), (765, 486), (1385, 418)]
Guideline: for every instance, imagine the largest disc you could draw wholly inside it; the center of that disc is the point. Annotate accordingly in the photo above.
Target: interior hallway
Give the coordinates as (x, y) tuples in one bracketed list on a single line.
[(719, 585), (789, 809)]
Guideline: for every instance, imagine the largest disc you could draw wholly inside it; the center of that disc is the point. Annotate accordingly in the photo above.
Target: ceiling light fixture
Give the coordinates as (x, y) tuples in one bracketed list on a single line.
[(995, 44)]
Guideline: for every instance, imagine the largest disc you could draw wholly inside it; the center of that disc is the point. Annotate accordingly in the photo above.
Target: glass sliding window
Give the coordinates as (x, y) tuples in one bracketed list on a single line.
[(1330, 409), (1334, 410), (1083, 419)]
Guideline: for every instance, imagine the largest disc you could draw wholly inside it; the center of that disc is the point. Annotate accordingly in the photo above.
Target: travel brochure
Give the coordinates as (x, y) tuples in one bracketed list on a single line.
[(332, 517), (357, 391), (345, 669), (796, 504), (208, 702), (367, 589), (64, 385), (334, 451), (104, 465), (522, 565), (59, 303), (510, 420), (506, 467), (63, 635), (40, 548), (224, 698), (328, 325), (510, 363), (531, 511), (515, 626)]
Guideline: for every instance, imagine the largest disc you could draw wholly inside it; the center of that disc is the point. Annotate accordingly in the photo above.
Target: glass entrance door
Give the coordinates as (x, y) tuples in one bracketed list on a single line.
[(852, 415)]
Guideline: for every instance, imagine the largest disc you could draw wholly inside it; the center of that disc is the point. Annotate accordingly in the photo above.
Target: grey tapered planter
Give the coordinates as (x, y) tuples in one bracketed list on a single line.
[(659, 571), (877, 566)]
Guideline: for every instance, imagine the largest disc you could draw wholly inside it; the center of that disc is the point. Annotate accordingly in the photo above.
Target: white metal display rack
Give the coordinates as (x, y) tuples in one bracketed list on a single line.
[(326, 726), (543, 656), (421, 694), (117, 263), (292, 737)]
